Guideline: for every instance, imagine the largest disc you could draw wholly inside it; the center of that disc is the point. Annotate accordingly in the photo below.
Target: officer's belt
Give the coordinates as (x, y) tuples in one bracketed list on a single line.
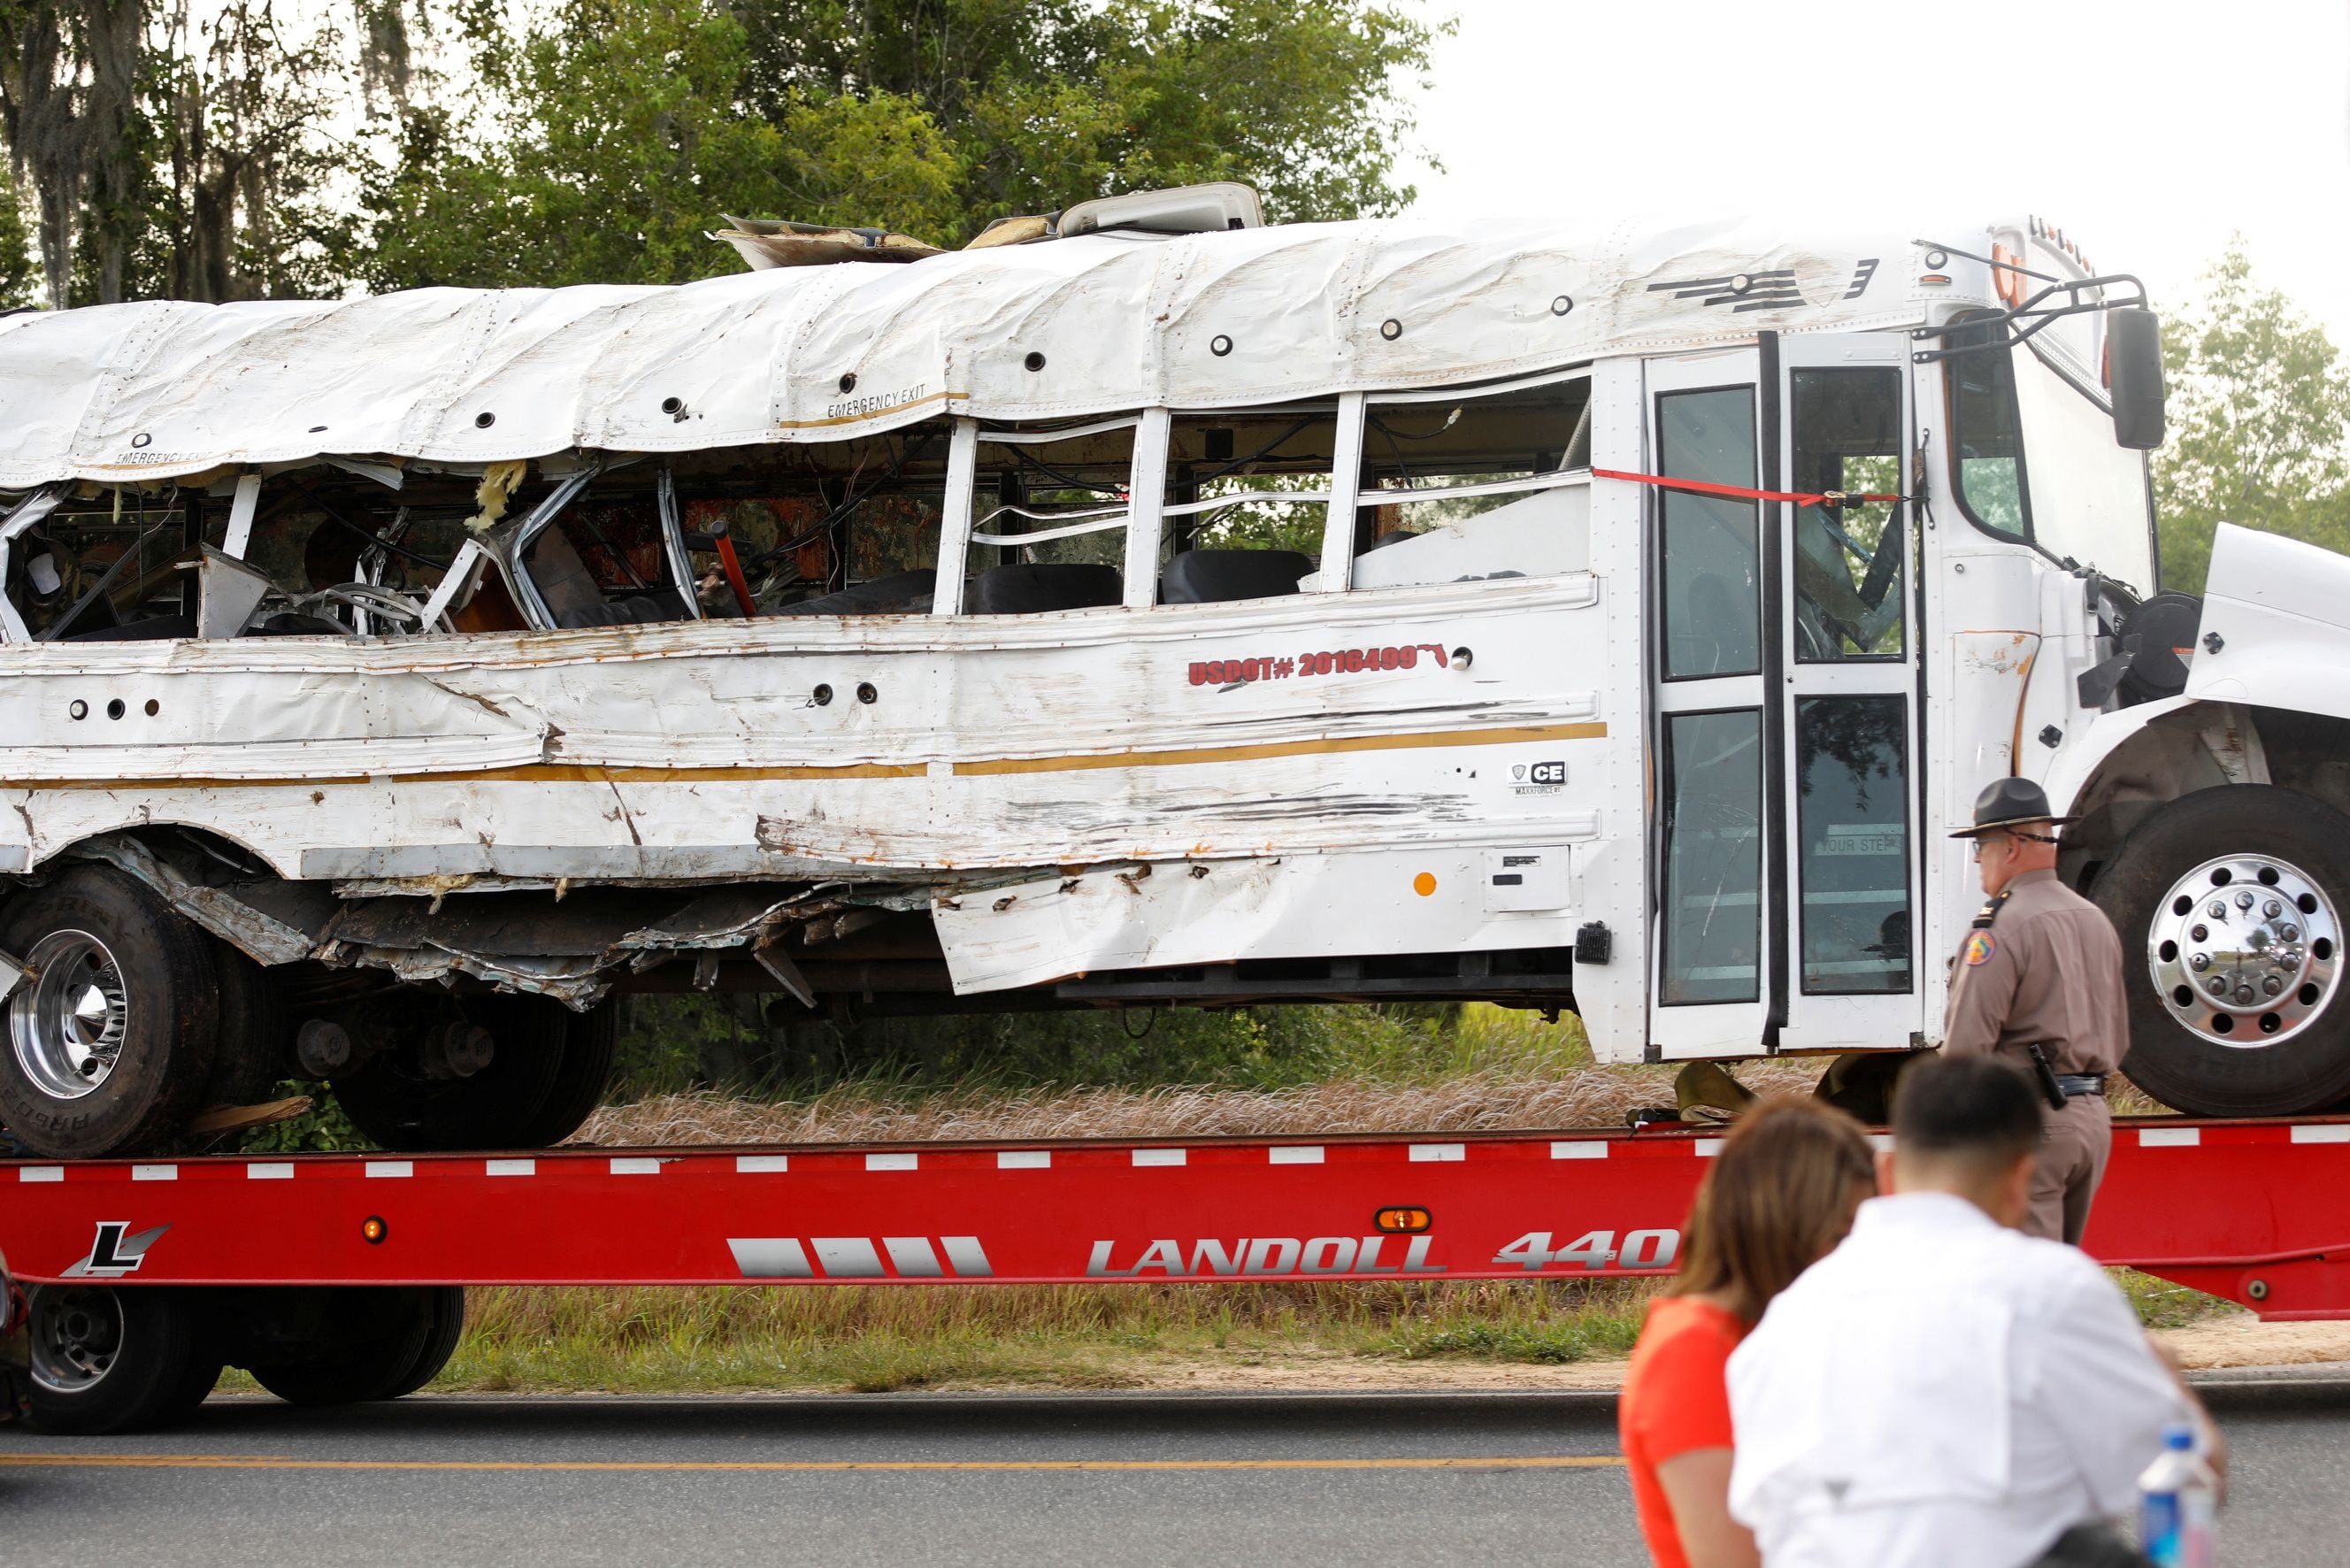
[(2075, 1085)]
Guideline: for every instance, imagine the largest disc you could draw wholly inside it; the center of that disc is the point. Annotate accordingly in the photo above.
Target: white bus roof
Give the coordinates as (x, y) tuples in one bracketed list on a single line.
[(1099, 323)]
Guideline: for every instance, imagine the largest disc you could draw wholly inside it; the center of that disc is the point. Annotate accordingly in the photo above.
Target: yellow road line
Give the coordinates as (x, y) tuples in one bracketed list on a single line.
[(279, 1462)]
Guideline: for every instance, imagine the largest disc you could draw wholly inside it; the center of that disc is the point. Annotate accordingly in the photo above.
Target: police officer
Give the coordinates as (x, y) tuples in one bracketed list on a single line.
[(2039, 977)]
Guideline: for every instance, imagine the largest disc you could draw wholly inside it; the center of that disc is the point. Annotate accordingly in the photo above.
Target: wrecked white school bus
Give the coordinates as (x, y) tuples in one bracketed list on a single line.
[(1164, 609)]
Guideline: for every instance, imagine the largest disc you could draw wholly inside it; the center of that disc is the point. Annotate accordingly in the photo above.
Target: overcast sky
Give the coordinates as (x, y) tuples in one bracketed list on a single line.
[(2147, 131)]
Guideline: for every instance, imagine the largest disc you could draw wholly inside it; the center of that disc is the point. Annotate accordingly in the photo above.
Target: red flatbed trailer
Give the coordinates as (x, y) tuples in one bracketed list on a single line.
[(2257, 1212)]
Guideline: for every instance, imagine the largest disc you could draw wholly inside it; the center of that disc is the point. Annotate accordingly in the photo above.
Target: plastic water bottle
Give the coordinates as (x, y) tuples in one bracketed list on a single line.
[(2179, 1503)]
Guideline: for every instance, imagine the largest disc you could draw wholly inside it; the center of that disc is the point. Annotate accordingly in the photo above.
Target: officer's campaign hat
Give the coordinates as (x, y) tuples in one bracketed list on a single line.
[(2011, 803)]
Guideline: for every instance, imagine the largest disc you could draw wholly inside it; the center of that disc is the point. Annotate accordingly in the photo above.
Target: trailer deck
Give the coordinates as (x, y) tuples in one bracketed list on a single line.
[(2256, 1211)]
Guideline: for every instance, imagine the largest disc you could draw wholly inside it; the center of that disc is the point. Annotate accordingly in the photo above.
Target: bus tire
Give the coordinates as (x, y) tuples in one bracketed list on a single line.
[(392, 1104), (590, 1040), (257, 1034), (2237, 890), (111, 1045), (107, 1361)]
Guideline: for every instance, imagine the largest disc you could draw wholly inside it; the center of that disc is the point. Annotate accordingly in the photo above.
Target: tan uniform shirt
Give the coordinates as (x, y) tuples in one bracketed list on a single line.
[(2047, 972)]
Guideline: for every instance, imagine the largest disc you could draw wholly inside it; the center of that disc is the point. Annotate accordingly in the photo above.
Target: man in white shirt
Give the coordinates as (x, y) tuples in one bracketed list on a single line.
[(1942, 1390)]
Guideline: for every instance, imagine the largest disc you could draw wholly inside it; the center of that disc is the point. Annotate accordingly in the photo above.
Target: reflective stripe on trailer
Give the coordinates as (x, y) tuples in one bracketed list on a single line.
[(2258, 1212)]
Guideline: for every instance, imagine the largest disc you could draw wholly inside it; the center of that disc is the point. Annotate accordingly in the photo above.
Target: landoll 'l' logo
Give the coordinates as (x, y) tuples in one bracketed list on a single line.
[(115, 1252)]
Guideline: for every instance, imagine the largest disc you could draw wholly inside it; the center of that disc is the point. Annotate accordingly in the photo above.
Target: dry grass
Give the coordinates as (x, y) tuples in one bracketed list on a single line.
[(857, 1113)]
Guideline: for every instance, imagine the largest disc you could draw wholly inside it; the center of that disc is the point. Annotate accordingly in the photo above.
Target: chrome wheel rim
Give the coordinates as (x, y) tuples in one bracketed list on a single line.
[(68, 1021), (2245, 949), (77, 1337)]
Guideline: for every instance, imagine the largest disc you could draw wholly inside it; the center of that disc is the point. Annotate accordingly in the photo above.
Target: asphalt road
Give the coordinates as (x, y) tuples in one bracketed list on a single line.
[(1029, 1480)]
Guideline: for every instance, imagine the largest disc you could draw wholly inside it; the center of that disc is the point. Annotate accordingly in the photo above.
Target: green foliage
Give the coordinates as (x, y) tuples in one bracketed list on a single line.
[(321, 1130), (228, 152), (2259, 423), (1047, 102), (620, 131)]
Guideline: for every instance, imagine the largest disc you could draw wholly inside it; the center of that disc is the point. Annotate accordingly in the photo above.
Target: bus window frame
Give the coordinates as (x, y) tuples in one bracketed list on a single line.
[(1951, 404), (19, 520)]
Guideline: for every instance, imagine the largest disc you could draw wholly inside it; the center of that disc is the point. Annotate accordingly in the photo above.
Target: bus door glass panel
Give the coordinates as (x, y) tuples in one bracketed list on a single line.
[(1849, 588), (1712, 600), (1711, 951), (1714, 857), (1852, 809)]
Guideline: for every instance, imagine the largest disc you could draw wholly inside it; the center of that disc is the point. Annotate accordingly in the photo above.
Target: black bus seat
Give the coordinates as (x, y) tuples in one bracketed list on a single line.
[(1215, 577), (1030, 589)]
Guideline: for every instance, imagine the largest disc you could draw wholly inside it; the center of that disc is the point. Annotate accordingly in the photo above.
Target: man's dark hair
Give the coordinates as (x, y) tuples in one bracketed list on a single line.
[(1979, 1108)]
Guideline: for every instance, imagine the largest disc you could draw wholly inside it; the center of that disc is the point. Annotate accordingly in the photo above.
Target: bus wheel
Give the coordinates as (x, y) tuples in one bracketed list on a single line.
[(590, 1040), (256, 1036), (107, 1360), (110, 1042), (2227, 904), (397, 1101), (386, 1368)]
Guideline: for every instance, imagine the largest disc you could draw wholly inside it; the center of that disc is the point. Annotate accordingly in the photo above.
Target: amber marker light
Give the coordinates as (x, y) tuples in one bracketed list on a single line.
[(1404, 1220), (1424, 884), (372, 1230)]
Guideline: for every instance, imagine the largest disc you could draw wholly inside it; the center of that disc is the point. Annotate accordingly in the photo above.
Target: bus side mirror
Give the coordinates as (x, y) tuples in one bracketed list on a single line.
[(2133, 359)]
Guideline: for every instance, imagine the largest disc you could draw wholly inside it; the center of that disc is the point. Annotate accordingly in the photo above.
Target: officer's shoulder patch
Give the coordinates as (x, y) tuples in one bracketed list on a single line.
[(1980, 946)]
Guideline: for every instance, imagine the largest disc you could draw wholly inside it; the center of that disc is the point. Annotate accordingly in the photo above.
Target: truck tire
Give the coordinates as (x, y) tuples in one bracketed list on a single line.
[(203, 1373), (111, 1047), (385, 1367), (589, 1041), (390, 1101), (2228, 902), (107, 1361), (445, 1328)]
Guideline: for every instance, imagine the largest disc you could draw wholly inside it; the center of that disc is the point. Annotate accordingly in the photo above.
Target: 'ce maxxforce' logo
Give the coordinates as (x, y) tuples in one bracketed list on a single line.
[(115, 1252)]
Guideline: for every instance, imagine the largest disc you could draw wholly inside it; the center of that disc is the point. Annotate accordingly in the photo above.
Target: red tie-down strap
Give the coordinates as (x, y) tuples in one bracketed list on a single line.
[(1745, 493)]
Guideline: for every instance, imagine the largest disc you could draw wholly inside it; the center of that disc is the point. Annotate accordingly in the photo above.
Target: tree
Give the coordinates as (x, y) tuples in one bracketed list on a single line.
[(239, 194), (181, 152), (68, 85), (2260, 420), (1049, 101), (20, 275), (621, 140), (625, 129)]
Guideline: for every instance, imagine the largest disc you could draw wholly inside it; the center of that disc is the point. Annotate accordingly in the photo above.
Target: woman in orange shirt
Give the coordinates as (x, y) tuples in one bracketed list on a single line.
[(1779, 1194)]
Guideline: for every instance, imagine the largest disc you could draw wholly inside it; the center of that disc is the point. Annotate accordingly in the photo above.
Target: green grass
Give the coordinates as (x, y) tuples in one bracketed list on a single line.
[(673, 1044), (878, 1339)]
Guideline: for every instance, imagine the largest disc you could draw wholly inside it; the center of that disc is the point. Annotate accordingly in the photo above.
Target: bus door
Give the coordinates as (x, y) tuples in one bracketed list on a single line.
[(1783, 702), (1711, 954), (1845, 812)]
